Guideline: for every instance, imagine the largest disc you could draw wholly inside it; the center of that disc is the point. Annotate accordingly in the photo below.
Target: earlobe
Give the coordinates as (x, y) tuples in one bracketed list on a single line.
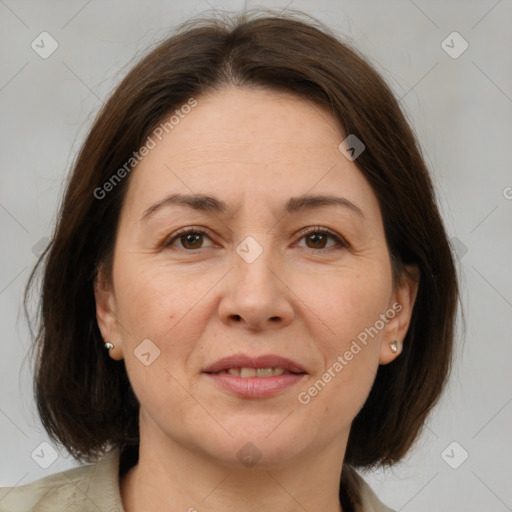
[(404, 298)]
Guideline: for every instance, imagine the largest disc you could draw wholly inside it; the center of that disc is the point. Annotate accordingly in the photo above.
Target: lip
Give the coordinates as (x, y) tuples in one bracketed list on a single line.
[(255, 387), (263, 361)]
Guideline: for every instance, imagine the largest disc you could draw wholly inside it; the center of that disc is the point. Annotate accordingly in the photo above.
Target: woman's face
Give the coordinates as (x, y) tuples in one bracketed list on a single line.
[(251, 280)]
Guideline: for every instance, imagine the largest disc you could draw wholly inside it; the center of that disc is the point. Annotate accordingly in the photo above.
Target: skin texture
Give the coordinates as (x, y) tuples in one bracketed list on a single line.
[(303, 298)]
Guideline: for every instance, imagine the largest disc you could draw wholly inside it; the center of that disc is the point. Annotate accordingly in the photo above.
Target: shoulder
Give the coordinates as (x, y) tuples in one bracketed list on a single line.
[(369, 500), (356, 495), (91, 487)]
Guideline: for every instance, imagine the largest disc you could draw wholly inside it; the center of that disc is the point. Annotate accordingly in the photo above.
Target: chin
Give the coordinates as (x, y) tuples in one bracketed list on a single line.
[(257, 450)]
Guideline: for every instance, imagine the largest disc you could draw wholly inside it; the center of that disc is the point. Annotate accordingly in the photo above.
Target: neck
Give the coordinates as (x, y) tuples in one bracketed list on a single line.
[(170, 473)]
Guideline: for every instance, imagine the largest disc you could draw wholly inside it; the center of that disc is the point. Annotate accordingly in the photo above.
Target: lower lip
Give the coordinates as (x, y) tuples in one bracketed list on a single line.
[(256, 387)]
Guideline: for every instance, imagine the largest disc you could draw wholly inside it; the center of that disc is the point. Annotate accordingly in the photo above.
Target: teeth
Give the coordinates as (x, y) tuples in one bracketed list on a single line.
[(247, 372), (254, 372), (265, 372)]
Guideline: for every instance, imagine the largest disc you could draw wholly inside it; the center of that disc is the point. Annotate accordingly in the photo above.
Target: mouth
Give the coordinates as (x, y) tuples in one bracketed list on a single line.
[(255, 377), (243, 365), (246, 372)]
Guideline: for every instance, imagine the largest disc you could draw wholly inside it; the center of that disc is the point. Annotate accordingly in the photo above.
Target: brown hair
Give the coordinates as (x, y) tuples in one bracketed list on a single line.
[(84, 397)]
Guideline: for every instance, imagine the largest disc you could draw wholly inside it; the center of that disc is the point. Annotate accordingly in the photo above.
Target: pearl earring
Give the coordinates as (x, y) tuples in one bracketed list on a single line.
[(109, 346), (394, 346)]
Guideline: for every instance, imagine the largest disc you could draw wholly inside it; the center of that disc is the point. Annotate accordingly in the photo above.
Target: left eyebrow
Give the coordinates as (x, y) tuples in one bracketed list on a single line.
[(307, 202)]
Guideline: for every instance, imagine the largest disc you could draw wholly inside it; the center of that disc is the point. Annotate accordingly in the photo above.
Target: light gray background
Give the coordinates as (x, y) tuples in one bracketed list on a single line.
[(462, 112)]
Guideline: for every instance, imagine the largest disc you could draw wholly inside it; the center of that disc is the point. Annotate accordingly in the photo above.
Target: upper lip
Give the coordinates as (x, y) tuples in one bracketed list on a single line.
[(263, 361)]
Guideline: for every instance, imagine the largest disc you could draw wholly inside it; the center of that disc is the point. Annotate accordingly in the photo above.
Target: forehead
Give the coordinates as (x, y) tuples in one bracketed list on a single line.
[(249, 145)]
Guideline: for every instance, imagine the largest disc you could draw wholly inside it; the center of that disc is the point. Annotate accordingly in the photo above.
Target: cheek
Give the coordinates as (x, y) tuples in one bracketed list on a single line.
[(154, 300), (349, 339), (170, 309), (347, 302), (333, 400), (337, 392)]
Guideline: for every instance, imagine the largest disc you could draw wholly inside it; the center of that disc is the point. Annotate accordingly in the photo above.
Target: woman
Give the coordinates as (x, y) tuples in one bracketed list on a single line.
[(249, 293)]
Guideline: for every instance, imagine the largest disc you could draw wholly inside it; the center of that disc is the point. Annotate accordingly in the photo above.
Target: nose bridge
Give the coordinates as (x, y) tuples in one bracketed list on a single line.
[(256, 295), (255, 258)]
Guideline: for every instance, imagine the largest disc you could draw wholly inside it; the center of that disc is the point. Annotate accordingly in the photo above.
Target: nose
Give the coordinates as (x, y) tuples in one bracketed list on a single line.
[(256, 296)]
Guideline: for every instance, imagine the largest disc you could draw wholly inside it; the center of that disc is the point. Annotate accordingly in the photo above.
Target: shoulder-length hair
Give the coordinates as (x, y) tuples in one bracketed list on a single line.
[(84, 397)]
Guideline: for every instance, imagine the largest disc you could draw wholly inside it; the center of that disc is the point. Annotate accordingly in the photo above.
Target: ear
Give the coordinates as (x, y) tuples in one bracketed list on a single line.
[(106, 314), (399, 314)]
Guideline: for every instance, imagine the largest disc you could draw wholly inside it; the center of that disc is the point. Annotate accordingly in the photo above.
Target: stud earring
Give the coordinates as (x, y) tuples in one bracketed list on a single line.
[(109, 346), (394, 346)]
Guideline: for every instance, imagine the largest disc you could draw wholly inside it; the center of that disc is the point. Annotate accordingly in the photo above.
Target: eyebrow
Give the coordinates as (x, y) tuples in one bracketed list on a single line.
[(206, 203)]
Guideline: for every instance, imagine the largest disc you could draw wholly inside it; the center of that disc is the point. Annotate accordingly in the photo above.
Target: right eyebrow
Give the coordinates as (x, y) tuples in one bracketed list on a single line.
[(199, 202)]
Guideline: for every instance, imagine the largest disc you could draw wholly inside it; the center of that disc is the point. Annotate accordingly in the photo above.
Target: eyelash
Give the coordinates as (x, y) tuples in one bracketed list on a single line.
[(340, 242)]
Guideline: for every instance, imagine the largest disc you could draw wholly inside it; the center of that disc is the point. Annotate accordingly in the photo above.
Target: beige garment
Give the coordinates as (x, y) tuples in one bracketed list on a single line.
[(95, 488)]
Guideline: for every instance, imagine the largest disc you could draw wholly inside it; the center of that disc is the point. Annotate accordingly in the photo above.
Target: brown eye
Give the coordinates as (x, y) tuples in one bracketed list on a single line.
[(189, 239), (318, 238)]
